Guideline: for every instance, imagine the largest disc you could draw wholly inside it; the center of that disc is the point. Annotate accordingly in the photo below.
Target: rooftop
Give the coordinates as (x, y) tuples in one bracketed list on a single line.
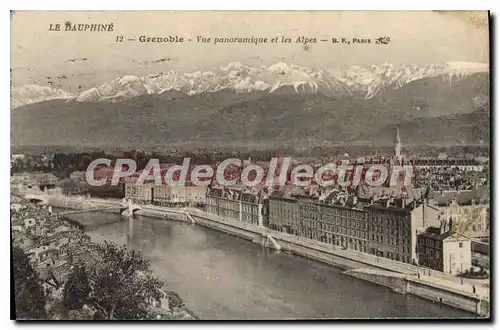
[(478, 195), (435, 233)]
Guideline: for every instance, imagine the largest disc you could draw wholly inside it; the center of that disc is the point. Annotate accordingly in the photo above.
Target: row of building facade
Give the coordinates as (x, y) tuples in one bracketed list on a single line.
[(387, 228), (149, 193), (366, 227)]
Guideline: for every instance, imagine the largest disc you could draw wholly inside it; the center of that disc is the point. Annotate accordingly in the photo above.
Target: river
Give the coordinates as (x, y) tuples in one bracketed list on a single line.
[(220, 276)]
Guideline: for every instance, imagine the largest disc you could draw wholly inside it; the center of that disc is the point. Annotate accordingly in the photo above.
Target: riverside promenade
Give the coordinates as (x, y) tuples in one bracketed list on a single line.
[(426, 274), (429, 284)]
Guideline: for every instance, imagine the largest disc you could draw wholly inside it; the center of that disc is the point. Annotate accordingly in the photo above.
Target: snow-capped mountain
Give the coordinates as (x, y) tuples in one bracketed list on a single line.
[(28, 94), (115, 91), (434, 104), (366, 82)]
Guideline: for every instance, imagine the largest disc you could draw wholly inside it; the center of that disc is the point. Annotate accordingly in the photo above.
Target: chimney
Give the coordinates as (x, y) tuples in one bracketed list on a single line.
[(446, 227), (442, 227), (265, 193)]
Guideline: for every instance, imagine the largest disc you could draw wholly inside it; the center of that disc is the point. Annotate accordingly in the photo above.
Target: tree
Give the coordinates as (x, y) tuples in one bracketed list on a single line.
[(123, 283), (29, 294), (174, 300), (77, 289)]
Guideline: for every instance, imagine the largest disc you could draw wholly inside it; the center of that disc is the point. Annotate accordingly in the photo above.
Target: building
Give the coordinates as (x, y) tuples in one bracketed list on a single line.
[(29, 223), (18, 228), (383, 226), (183, 194), (23, 177), (16, 207), (107, 190), (394, 224), (284, 213), (441, 249), (163, 194), (468, 210), (77, 176), (238, 204), (15, 157), (46, 180), (141, 193), (224, 202), (35, 178), (390, 232), (252, 209), (334, 220), (462, 164), (72, 187), (150, 193)]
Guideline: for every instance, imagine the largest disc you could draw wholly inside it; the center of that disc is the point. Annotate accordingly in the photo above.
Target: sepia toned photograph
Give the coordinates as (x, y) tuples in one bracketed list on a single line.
[(250, 165)]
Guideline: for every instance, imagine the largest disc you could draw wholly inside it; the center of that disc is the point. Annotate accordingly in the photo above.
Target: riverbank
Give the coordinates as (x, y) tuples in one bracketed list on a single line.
[(434, 285), (438, 287)]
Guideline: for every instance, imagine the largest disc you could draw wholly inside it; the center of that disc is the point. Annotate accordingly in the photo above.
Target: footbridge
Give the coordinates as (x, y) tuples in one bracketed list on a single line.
[(81, 204), (125, 208), (35, 198), (105, 208)]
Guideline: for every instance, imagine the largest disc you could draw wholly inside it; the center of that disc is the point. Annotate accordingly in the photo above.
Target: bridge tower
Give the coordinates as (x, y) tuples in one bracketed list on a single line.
[(127, 207)]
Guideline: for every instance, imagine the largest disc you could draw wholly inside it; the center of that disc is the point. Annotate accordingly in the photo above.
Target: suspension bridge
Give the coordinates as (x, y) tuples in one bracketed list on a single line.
[(83, 204)]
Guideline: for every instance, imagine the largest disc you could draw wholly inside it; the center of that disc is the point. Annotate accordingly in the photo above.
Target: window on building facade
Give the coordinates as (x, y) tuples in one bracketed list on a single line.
[(460, 245)]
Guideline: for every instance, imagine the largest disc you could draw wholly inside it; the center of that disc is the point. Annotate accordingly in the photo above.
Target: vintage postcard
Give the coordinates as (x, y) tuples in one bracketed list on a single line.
[(259, 165)]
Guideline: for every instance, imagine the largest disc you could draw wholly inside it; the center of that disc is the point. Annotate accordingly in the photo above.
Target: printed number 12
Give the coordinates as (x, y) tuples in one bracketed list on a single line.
[(119, 38)]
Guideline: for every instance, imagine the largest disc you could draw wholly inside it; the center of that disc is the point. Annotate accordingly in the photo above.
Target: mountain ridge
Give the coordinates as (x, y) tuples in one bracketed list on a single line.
[(237, 77)]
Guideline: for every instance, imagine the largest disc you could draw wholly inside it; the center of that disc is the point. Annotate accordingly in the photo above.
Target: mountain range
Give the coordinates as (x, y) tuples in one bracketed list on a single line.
[(281, 104), (354, 80)]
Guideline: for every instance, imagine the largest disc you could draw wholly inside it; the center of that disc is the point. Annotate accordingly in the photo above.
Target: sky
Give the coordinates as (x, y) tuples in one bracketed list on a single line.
[(72, 60)]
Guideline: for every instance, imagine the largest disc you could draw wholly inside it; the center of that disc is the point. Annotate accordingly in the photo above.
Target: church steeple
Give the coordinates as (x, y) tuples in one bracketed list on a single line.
[(397, 147)]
